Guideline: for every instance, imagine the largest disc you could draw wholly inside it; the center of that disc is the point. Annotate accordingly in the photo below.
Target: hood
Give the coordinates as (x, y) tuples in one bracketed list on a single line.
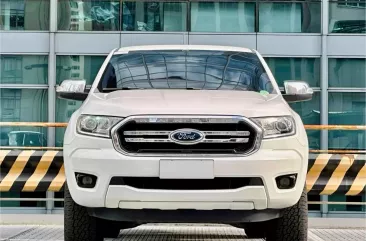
[(174, 102)]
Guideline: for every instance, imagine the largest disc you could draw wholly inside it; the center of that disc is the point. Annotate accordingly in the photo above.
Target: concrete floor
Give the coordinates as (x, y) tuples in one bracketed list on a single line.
[(41, 227), (172, 232)]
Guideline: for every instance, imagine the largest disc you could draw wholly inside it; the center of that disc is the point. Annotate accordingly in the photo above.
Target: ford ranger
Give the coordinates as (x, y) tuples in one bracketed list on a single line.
[(185, 134)]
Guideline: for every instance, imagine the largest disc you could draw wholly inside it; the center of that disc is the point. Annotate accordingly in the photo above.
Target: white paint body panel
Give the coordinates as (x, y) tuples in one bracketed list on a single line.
[(97, 156)]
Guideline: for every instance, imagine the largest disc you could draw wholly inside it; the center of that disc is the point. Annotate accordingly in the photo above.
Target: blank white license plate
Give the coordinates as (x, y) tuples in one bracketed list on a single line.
[(186, 169)]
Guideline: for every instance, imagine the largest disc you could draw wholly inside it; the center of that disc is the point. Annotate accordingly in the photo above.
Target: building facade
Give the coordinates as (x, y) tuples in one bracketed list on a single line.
[(43, 42)]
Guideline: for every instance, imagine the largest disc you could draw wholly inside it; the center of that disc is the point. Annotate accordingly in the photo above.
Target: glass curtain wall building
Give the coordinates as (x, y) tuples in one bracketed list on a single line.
[(43, 42)]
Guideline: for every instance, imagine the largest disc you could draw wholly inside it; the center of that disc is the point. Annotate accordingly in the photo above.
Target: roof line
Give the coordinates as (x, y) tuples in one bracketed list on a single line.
[(125, 50)]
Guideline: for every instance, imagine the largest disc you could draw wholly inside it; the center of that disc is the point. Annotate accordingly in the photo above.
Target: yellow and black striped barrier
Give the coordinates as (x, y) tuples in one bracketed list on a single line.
[(33, 171), (335, 173)]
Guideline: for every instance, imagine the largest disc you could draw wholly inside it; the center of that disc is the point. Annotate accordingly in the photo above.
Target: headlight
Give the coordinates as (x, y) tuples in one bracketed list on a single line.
[(96, 125), (276, 126)]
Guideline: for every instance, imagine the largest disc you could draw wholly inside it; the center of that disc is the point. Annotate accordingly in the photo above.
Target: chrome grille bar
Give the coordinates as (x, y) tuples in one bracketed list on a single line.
[(226, 133), (207, 133), (162, 140), (146, 133), (207, 120)]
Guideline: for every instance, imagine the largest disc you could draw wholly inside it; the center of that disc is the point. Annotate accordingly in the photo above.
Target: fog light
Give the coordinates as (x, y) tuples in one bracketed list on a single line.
[(85, 180), (286, 181)]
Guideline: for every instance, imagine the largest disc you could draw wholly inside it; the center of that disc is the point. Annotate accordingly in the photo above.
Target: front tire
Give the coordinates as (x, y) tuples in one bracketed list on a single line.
[(254, 230), (293, 225), (79, 226)]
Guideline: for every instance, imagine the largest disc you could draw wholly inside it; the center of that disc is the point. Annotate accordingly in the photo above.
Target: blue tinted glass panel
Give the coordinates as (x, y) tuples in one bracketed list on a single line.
[(78, 67), (86, 15), (347, 73), (347, 109), (23, 69), (24, 15), (285, 17), (23, 105), (230, 17), (305, 69), (154, 16)]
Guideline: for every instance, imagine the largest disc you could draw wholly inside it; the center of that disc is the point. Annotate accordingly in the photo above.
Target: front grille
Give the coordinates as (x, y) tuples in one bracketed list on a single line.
[(218, 183), (220, 135)]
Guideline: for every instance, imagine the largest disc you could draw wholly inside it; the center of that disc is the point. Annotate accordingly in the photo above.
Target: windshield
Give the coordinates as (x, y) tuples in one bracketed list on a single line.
[(186, 69)]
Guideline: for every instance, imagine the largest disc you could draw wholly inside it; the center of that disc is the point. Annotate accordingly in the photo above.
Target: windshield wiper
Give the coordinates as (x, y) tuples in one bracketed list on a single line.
[(123, 88), (138, 88), (130, 88), (191, 88)]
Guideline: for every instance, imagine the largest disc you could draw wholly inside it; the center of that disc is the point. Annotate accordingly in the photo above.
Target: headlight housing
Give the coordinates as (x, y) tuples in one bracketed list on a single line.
[(276, 126), (96, 125)]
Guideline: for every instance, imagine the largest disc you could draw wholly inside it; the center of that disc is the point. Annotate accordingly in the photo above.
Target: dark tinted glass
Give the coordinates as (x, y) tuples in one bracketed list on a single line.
[(186, 69)]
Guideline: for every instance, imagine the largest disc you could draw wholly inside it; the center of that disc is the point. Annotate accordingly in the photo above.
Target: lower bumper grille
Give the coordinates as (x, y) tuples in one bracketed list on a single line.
[(219, 183)]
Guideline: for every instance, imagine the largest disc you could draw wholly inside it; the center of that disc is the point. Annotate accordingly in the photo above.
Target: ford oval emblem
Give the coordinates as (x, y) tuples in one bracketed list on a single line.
[(186, 136)]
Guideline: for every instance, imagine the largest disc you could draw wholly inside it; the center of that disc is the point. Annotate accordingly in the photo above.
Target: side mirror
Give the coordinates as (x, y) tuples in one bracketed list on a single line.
[(296, 91), (72, 90)]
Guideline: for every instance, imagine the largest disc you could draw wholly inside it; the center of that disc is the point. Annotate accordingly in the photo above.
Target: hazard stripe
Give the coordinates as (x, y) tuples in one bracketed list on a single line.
[(350, 175), (40, 172), (27, 171), (3, 154), (338, 175), (15, 170), (315, 171), (51, 173), (326, 173), (59, 181), (7, 163), (359, 183)]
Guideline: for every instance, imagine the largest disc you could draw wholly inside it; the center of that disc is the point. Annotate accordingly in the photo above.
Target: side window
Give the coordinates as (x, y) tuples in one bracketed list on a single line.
[(28, 140)]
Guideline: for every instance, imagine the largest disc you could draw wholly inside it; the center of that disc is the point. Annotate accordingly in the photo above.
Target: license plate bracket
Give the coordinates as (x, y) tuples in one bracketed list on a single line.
[(186, 169)]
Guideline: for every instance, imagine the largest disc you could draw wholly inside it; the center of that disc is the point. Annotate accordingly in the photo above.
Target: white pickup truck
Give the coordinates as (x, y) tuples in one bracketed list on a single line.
[(177, 134)]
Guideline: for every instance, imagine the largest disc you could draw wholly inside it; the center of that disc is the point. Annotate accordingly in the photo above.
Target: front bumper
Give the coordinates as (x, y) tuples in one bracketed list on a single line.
[(185, 216), (98, 157)]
